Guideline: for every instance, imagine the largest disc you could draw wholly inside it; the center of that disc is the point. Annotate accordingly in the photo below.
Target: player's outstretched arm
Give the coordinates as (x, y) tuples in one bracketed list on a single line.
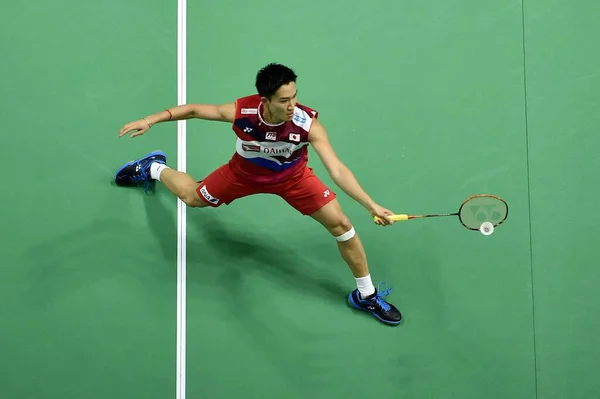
[(211, 112), (341, 175)]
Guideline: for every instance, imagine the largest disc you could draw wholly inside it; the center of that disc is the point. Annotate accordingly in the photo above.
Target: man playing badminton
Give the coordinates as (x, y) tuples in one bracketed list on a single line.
[(273, 133)]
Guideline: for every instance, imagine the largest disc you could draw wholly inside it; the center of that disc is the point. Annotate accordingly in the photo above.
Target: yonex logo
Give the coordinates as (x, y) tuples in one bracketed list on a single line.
[(482, 214), (247, 129), (326, 193)]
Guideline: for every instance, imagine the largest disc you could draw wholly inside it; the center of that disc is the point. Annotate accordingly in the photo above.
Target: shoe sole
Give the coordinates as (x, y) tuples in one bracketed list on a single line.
[(154, 153), (357, 306)]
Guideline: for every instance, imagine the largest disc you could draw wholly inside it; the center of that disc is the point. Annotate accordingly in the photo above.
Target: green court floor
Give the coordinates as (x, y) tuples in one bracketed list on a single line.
[(426, 102)]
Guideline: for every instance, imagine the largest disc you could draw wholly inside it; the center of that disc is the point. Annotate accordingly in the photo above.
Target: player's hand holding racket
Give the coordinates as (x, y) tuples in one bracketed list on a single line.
[(480, 212), (381, 215)]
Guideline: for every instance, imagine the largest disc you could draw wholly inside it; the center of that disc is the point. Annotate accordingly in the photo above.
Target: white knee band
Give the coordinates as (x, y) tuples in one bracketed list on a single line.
[(347, 235)]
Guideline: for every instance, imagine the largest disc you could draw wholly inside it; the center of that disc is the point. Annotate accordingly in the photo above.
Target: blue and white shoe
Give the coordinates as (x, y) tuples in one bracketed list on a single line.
[(138, 171), (374, 304)]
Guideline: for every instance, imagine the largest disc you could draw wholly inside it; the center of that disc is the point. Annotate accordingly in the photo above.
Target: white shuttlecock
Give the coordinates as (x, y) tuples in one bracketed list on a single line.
[(486, 228)]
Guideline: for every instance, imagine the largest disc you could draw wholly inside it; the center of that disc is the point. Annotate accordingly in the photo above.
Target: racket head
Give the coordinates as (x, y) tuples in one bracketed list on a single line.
[(481, 208)]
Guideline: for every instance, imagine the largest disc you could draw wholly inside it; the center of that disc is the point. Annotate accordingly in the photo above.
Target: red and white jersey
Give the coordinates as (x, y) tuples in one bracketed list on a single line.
[(266, 152)]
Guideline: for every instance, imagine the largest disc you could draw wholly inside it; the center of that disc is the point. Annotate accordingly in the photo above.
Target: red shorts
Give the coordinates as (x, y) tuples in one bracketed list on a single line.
[(305, 191)]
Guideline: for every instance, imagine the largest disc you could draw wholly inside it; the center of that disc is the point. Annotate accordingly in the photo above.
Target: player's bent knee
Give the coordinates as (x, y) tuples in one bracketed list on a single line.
[(347, 235), (344, 223), (345, 228), (341, 228), (192, 200), (196, 203)]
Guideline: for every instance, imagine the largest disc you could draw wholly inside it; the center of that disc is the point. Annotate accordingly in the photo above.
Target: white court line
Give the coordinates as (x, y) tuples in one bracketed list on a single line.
[(181, 207)]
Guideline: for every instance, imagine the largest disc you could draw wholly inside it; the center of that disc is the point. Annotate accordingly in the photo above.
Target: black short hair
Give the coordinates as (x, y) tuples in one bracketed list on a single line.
[(271, 77)]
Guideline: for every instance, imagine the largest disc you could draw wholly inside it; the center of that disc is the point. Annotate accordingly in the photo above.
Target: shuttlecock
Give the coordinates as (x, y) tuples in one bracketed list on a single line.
[(486, 228)]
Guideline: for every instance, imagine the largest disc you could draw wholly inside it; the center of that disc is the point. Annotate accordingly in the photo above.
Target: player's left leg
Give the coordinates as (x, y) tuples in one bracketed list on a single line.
[(311, 197)]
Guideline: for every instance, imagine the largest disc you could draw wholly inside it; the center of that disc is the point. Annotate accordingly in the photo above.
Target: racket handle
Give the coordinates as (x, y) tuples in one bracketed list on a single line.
[(395, 218)]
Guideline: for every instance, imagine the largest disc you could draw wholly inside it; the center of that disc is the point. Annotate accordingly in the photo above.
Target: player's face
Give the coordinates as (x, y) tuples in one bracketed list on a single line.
[(282, 104)]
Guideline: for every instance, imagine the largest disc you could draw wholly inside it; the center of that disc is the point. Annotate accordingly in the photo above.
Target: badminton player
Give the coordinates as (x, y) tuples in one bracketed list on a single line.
[(273, 133)]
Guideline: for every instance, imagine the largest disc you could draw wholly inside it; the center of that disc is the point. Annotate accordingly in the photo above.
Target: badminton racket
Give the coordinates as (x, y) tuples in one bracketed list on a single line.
[(474, 211)]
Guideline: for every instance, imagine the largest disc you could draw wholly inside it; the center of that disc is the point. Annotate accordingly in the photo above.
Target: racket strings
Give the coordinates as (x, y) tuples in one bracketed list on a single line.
[(481, 209)]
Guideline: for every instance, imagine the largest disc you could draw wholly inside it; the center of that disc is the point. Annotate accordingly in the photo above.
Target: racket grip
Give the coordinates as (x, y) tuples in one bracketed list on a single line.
[(395, 218)]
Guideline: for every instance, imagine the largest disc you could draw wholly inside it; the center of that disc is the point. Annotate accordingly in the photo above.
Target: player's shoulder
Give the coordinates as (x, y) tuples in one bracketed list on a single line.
[(304, 117), (307, 110), (247, 105), (251, 100)]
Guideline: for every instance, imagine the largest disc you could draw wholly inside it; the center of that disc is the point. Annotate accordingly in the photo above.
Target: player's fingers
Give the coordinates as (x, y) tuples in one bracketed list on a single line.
[(381, 221), (387, 214), (383, 218), (124, 130)]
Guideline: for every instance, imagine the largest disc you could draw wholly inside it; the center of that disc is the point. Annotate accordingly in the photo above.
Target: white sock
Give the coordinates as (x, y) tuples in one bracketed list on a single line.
[(155, 170), (365, 286)]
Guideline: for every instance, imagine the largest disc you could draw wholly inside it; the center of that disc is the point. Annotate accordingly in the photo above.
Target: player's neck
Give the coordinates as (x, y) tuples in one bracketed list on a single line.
[(267, 117)]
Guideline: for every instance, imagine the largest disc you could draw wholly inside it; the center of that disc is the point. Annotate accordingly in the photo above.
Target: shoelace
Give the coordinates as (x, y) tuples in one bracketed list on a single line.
[(141, 175), (382, 294)]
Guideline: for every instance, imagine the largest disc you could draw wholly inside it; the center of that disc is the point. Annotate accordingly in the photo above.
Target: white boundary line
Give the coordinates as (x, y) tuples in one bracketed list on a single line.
[(181, 207)]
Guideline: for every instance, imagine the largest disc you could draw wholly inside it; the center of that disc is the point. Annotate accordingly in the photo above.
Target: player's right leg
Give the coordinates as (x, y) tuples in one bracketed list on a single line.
[(219, 187), (153, 167), (182, 185)]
